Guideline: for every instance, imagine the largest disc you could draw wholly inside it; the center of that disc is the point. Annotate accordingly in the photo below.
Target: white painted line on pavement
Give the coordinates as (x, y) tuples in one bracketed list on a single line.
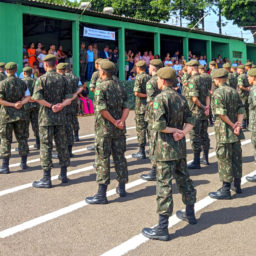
[(29, 185), (139, 239), (53, 215)]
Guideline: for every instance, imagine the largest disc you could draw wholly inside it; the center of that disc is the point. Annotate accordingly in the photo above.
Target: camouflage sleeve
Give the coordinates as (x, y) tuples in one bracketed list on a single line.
[(126, 103), (68, 89), (2, 90), (188, 118), (93, 81), (192, 89), (253, 98), (159, 122), (100, 99), (38, 90), (24, 87), (240, 106), (240, 81), (150, 92), (220, 108), (137, 87)]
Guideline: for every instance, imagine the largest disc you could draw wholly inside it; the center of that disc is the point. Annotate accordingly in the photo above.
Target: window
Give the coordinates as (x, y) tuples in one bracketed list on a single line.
[(237, 55)]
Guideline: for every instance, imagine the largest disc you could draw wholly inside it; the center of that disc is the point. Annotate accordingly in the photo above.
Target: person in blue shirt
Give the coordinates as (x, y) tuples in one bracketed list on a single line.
[(90, 65)]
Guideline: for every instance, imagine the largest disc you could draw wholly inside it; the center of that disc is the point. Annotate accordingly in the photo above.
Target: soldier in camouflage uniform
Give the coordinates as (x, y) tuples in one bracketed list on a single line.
[(111, 111), (234, 71), (95, 76), (184, 81), (13, 117), (229, 116), (141, 102), (212, 66), (75, 123), (252, 110), (248, 66), (31, 108), (2, 71), (172, 121), (232, 79), (152, 92), (53, 93), (199, 103), (243, 90)]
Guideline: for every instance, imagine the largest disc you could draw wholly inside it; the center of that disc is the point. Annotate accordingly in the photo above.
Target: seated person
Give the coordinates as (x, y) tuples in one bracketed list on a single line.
[(85, 101)]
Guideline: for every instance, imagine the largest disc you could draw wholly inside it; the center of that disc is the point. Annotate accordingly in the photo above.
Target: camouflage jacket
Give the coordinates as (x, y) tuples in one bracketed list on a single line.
[(213, 88), (152, 92), (2, 76), (30, 83), (140, 86), (243, 81), (252, 108), (232, 80), (226, 102), (111, 96), (196, 88), (170, 110), (184, 81), (235, 74), (53, 88), (94, 79), (206, 80), (12, 89)]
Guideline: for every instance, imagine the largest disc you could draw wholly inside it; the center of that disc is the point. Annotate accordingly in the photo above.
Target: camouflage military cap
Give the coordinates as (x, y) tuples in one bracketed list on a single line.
[(61, 66), (252, 72), (2, 64), (253, 66), (98, 60), (212, 63), (27, 69), (141, 64), (192, 63), (248, 64), (240, 67), (11, 65), (201, 67), (226, 65), (219, 73), (157, 63), (49, 57), (166, 73), (108, 66)]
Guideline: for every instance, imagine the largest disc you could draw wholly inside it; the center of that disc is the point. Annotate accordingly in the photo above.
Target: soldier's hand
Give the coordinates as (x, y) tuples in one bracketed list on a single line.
[(18, 105), (207, 111), (119, 124), (237, 130)]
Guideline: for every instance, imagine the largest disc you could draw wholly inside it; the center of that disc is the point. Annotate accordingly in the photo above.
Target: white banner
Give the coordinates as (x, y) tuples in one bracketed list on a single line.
[(97, 33)]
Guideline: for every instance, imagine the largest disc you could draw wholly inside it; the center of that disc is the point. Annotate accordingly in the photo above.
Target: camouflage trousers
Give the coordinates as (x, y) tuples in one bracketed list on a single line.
[(199, 136), (253, 139), (229, 157), (21, 133), (47, 134), (166, 171), (141, 128), (33, 118), (150, 140), (104, 146), (69, 129), (75, 123)]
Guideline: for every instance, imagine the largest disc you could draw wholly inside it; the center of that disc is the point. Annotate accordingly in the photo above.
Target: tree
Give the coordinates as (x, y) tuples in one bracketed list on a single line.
[(154, 10), (242, 12)]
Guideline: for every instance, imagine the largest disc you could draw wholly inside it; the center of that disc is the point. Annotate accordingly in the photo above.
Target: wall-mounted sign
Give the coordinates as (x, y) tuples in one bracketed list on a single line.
[(101, 34)]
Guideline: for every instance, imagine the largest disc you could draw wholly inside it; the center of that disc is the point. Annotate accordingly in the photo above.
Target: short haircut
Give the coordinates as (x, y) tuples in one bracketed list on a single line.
[(51, 63)]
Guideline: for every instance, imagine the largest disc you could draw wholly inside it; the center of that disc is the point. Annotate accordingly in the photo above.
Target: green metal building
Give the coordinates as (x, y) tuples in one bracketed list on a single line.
[(28, 20)]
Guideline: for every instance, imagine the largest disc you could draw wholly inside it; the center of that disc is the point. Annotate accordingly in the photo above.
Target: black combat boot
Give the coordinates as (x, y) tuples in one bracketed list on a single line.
[(121, 190), (70, 151), (205, 159), (76, 136), (151, 176), (63, 175), (5, 166), (37, 143), (222, 193), (45, 182), (100, 197), (196, 162), (189, 215), (140, 154), (237, 185), (159, 232), (251, 178), (23, 163)]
